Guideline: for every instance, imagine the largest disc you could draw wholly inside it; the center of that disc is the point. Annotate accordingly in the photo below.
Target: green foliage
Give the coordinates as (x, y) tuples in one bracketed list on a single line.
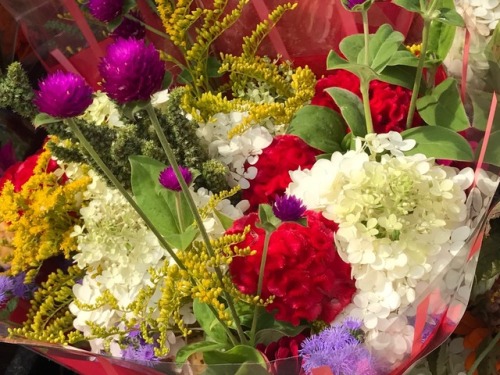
[(351, 108), (481, 103), (212, 327), (16, 92), (320, 127), (488, 265), (492, 155)]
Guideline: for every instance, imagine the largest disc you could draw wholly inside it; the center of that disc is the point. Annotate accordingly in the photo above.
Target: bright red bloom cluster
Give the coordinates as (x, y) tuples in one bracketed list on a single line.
[(286, 153), (389, 104), (284, 355), (304, 273)]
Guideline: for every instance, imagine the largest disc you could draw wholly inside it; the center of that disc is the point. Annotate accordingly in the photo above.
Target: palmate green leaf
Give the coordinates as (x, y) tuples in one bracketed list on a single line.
[(492, 155), (320, 127), (439, 142), (443, 107), (196, 347), (334, 61), (351, 108), (212, 328), (351, 46), (382, 47), (159, 204), (403, 57)]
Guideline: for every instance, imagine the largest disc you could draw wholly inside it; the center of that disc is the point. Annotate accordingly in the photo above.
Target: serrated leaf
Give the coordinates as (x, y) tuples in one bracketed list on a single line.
[(439, 142), (319, 127), (351, 108), (197, 347), (44, 119), (443, 107), (492, 154), (212, 328)]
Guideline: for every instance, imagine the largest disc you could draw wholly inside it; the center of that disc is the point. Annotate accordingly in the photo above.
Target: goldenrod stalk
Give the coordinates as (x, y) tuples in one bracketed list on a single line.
[(192, 206), (94, 155)]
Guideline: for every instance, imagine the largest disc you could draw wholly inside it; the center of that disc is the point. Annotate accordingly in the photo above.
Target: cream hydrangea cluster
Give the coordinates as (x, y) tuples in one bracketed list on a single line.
[(103, 111), (235, 152), (401, 219)]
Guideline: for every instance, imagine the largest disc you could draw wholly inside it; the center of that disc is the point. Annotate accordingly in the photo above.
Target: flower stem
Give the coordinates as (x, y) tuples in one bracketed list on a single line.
[(148, 27), (365, 83), (484, 353), (178, 207), (192, 206), (260, 282), (366, 33), (93, 154)]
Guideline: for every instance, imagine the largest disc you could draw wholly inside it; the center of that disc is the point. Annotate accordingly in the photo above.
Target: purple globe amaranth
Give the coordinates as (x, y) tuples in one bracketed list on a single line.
[(169, 180), (288, 208), (129, 28), (63, 95), (349, 4), (105, 10), (131, 70)]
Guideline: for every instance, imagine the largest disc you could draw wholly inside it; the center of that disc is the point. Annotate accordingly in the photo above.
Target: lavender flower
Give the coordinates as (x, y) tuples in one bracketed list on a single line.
[(19, 288), (288, 208), (131, 70), (129, 28), (338, 349), (169, 180), (63, 95), (105, 10), (139, 352), (6, 286)]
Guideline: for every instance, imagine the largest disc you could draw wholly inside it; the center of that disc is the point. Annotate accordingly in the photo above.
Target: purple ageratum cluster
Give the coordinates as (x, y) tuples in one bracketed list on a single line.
[(288, 208), (338, 348), (169, 180), (14, 286), (129, 28), (131, 70), (138, 349), (6, 286), (63, 94), (105, 10)]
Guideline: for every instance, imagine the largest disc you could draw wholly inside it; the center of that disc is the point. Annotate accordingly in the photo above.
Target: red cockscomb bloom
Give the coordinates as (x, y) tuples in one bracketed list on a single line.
[(304, 273), (284, 355), (389, 104), (286, 153)]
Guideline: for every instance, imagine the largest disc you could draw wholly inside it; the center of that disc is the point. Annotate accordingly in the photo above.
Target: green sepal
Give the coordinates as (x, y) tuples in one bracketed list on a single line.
[(267, 220), (44, 119)]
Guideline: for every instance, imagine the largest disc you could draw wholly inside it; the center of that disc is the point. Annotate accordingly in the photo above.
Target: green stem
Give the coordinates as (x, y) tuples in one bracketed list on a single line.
[(366, 33), (93, 154), (260, 282), (484, 353), (148, 27), (365, 94), (178, 206), (192, 206)]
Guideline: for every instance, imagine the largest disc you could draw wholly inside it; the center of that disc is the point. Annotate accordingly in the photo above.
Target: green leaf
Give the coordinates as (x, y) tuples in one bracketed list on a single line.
[(226, 221), (334, 61), (213, 66), (249, 368), (441, 37), (411, 5), (44, 119), (439, 142), (167, 80), (450, 17), (269, 335), (351, 46), (481, 103), (383, 45), (8, 309), (319, 127), (488, 264), (185, 77), (267, 219), (160, 204), (492, 155), (237, 354), (403, 57), (196, 347), (443, 107), (351, 108), (208, 321), (400, 75)]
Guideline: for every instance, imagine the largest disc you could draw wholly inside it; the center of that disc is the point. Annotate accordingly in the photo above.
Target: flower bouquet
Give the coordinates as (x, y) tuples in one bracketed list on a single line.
[(244, 215)]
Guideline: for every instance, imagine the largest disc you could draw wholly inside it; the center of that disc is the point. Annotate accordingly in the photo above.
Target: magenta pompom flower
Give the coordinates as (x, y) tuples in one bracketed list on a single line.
[(288, 208), (130, 28), (131, 70), (105, 10), (169, 180), (63, 95)]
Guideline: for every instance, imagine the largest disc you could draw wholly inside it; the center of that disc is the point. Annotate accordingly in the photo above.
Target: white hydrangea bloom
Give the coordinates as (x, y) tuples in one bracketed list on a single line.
[(102, 111), (401, 220)]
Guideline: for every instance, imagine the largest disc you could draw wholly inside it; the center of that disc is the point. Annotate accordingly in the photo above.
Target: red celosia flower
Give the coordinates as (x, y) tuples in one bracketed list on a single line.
[(284, 355), (286, 153), (389, 104), (304, 273)]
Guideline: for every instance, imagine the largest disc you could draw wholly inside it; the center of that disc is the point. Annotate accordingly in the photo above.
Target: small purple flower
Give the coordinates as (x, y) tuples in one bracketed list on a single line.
[(338, 349), (131, 70), (63, 95), (352, 3), (288, 208), (169, 180), (19, 288), (105, 10), (139, 352), (352, 324), (6, 286), (129, 28)]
